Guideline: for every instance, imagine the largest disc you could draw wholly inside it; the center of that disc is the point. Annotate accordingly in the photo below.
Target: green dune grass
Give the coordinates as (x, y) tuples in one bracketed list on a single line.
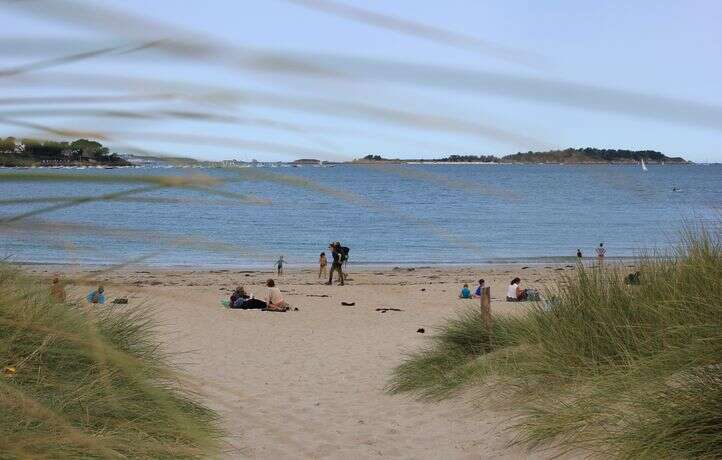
[(89, 382), (629, 371)]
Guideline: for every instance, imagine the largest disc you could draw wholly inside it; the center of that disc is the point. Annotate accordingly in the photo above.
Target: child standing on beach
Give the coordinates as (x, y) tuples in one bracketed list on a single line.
[(57, 292), (279, 265), (322, 262)]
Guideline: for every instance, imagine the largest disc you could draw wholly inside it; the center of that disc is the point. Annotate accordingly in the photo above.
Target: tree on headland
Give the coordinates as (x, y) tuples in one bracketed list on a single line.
[(34, 152)]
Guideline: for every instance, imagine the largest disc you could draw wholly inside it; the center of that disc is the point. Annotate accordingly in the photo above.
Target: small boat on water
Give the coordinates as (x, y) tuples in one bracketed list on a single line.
[(644, 167)]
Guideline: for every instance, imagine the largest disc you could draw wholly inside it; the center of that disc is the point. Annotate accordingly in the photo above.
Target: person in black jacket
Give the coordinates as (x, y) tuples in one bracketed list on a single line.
[(336, 264)]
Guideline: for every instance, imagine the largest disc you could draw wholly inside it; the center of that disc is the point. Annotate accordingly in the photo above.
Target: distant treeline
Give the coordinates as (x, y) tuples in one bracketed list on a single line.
[(591, 155), (570, 155), (33, 152)]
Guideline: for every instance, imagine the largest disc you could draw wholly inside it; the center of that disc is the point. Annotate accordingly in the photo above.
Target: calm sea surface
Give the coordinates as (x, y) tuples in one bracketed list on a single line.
[(404, 215)]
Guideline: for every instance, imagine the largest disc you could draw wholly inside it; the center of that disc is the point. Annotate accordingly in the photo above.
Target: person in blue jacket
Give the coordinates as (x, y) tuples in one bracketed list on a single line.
[(97, 296)]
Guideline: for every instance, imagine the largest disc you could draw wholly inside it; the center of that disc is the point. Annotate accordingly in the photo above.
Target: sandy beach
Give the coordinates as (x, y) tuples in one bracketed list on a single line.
[(310, 383)]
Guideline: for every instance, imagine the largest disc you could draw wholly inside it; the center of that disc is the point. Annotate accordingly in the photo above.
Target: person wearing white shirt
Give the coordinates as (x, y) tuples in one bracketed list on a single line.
[(274, 298), (513, 292)]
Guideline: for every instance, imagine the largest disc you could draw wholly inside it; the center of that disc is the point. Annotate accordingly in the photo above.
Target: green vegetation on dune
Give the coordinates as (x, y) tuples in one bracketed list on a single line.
[(89, 382), (630, 371), (33, 152)]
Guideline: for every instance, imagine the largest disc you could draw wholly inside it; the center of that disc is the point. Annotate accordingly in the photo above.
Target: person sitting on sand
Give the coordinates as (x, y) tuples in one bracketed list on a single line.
[(465, 292), (274, 298), (322, 262), (97, 296), (479, 288), (514, 293), (238, 296), (57, 291)]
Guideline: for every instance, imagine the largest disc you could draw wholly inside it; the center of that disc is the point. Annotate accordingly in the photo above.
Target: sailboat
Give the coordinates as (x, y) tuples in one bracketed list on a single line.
[(644, 167)]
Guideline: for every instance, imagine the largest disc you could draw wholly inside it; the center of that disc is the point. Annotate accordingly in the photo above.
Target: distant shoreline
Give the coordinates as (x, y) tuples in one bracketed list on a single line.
[(353, 266)]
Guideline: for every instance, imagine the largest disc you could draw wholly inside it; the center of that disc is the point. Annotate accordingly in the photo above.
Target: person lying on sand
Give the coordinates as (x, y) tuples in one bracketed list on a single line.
[(514, 293), (238, 295), (96, 296), (274, 298), (465, 292)]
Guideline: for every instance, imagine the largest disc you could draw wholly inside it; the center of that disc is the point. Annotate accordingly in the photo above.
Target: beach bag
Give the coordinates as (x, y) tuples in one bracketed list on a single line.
[(344, 253), (532, 295)]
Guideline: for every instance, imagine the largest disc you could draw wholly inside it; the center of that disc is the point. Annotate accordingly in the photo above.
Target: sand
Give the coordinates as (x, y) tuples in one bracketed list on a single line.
[(310, 383)]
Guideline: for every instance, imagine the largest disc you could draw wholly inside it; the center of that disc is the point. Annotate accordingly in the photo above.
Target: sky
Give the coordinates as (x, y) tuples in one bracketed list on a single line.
[(340, 79)]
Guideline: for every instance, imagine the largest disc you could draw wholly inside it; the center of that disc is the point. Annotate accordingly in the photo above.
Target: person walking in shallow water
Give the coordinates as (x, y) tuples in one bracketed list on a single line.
[(279, 265), (322, 262)]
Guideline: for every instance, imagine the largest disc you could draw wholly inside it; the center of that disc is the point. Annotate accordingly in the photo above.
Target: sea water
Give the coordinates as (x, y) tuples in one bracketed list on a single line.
[(396, 215)]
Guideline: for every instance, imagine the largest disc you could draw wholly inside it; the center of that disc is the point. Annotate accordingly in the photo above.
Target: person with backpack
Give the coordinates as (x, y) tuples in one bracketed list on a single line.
[(339, 256)]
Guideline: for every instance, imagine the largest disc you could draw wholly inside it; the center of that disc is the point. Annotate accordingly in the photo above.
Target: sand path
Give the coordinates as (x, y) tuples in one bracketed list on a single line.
[(310, 383)]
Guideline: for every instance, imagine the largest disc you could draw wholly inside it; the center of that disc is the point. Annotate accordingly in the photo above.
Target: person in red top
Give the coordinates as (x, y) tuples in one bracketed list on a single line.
[(600, 253)]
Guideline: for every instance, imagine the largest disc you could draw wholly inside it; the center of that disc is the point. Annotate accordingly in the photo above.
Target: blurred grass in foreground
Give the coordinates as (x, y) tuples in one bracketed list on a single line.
[(629, 371), (89, 382)]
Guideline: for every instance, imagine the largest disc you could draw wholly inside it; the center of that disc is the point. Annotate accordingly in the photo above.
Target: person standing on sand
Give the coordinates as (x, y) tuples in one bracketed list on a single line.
[(336, 265), (322, 262), (579, 253), (601, 252), (57, 291), (279, 265)]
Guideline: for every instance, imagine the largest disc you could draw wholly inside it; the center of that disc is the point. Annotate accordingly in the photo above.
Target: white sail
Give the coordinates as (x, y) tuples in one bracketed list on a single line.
[(644, 167)]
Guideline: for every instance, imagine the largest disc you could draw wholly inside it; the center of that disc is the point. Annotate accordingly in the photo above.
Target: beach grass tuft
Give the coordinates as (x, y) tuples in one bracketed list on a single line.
[(91, 382), (603, 366)]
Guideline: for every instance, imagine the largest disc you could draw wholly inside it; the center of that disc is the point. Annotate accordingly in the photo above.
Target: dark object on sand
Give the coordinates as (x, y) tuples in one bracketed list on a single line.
[(250, 304), (348, 304), (524, 268), (120, 300), (420, 330), (423, 289), (295, 308), (632, 278), (384, 310), (316, 295)]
